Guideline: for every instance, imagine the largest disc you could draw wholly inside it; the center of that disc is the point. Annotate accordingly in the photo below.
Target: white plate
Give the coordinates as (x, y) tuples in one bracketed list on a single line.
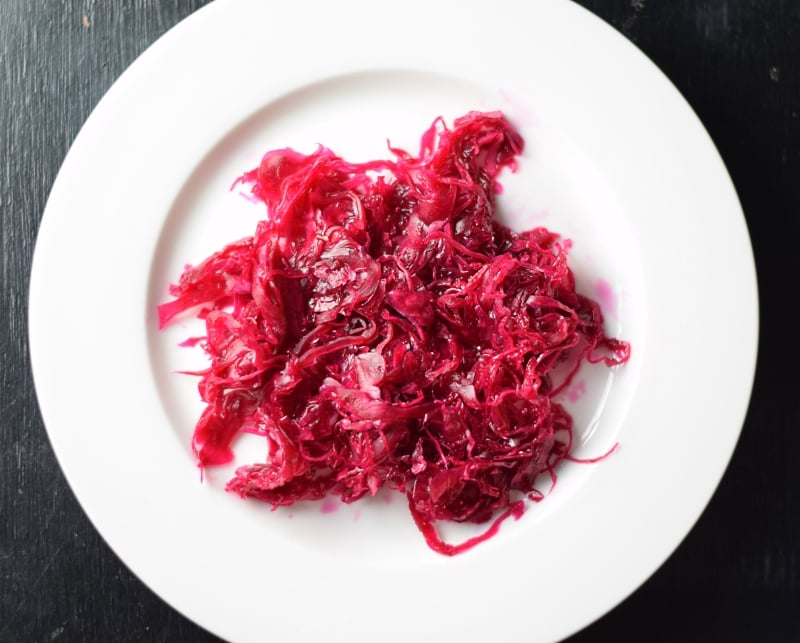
[(615, 159)]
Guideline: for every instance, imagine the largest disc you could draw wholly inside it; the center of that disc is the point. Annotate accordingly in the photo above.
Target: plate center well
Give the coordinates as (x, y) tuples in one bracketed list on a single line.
[(354, 115)]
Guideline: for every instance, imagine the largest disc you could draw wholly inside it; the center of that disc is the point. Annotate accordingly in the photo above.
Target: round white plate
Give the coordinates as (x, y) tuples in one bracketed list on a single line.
[(614, 159)]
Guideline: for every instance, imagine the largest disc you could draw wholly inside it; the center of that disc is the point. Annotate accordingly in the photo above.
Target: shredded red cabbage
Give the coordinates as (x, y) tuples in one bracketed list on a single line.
[(380, 328)]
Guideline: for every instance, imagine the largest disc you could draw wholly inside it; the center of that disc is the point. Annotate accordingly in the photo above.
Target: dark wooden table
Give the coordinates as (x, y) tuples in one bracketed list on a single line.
[(736, 577)]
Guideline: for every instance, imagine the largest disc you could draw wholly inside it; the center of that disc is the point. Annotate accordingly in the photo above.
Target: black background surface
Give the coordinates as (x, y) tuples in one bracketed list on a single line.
[(736, 577)]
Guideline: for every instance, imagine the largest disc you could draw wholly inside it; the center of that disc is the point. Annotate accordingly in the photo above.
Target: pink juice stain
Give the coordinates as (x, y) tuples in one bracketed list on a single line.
[(606, 297), (576, 391), (329, 506), (523, 114)]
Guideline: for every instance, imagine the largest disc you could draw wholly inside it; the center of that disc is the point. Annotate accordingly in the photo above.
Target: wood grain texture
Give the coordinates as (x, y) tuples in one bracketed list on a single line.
[(737, 575)]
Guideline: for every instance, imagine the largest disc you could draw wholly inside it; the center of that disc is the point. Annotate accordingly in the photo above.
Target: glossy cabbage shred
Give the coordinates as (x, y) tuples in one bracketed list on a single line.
[(382, 329)]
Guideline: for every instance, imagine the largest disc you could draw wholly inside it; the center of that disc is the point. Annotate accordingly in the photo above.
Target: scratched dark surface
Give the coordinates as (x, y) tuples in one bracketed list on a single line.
[(736, 577)]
